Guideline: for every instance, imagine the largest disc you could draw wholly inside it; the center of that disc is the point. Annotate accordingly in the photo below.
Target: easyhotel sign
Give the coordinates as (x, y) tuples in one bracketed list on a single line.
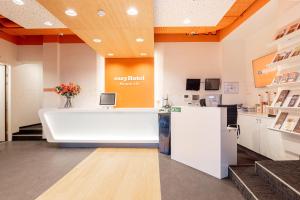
[(129, 80)]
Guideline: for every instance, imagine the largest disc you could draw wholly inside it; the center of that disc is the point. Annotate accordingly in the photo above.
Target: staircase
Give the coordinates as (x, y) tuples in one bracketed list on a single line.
[(268, 180), (32, 132)]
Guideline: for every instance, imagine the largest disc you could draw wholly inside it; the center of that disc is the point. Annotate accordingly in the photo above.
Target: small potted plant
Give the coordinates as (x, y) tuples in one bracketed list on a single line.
[(68, 91)]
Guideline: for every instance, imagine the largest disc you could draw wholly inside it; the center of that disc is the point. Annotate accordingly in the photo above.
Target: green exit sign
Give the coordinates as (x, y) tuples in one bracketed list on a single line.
[(176, 109)]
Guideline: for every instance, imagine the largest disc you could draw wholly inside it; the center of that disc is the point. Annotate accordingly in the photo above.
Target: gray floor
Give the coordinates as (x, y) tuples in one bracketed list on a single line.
[(27, 169)]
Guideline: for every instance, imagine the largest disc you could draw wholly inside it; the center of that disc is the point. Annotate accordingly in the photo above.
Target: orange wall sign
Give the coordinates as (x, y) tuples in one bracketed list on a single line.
[(132, 79), (263, 76)]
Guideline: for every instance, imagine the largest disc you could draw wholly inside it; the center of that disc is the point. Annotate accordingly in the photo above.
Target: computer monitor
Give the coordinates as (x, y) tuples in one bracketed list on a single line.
[(213, 100), (108, 99), (212, 84), (193, 84)]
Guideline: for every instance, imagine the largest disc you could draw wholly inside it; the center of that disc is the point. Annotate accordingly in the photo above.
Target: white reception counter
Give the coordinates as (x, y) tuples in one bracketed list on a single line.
[(132, 126)]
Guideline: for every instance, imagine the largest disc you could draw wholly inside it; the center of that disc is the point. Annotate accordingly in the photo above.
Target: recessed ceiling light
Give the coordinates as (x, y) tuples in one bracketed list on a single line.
[(110, 54), (97, 40), (143, 54), (48, 23), (18, 2), (71, 12), (187, 21), (101, 13), (132, 11), (139, 39)]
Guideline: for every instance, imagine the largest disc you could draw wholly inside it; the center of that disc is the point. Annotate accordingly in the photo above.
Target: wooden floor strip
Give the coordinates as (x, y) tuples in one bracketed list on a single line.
[(111, 174)]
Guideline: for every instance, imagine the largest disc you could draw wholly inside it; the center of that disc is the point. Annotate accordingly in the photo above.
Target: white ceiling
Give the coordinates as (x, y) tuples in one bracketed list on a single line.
[(31, 15), (200, 12), (262, 19)]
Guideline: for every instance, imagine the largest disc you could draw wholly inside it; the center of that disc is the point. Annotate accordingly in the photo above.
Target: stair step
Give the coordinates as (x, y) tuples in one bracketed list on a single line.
[(30, 132), (283, 176), (18, 137), (251, 185)]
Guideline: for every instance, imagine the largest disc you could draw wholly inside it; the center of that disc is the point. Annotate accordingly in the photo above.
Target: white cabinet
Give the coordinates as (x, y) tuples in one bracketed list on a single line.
[(256, 136), (249, 136)]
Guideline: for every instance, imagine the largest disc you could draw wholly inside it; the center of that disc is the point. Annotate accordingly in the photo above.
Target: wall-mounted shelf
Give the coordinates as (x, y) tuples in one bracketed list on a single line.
[(287, 40), (285, 108), (289, 84), (287, 63), (283, 131)]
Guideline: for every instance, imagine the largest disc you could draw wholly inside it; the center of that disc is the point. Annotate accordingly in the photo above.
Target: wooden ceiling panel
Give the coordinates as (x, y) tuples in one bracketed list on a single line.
[(116, 29)]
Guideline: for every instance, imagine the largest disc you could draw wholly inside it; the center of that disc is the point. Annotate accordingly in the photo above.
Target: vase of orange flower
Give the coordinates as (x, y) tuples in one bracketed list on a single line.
[(68, 91)]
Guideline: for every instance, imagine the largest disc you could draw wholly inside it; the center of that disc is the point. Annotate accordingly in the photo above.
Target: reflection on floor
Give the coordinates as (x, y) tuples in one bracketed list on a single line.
[(29, 168)]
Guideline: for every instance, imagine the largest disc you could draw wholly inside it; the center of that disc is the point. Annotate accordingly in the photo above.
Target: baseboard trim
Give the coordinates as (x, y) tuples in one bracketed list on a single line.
[(108, 145)]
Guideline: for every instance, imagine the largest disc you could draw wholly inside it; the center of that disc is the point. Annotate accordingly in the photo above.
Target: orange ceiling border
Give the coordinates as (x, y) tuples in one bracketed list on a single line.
[(40, 39), (32, 37), (8, 37), (185, 38), (257, 5)]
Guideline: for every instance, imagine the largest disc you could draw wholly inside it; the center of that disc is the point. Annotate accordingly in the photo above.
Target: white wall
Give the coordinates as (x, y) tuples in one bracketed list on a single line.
[(78, 64), (25, 84), (27, 91), (175, 62), (233, 70)]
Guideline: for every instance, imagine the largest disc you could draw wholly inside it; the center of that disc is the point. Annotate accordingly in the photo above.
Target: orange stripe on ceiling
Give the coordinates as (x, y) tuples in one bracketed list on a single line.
[(62, 39), (49, 90), (8, 37), (30, 40), (23, 31), (185, 38), (258, 4), (71, 39)]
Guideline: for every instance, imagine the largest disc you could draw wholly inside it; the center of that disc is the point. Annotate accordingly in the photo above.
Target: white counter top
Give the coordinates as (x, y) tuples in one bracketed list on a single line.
[(99, 109), (254, 114)]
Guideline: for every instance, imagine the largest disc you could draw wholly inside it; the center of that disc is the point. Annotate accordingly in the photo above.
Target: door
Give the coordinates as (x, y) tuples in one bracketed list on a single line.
[(2, 103)]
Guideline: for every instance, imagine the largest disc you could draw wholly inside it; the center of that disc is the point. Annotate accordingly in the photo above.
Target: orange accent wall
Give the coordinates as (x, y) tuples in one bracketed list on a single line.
[(260, 64), (131, 94)]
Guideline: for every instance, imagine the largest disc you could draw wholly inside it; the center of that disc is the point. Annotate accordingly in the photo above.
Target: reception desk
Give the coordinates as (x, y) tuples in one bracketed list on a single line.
[(100, 126), (200, 139)]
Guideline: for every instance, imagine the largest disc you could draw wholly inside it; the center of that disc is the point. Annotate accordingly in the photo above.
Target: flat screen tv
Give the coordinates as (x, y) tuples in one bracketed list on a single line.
[(212, 84), (193, 84)]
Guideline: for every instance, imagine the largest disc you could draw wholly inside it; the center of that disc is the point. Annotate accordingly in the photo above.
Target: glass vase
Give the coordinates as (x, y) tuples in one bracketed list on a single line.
[(68, 103)]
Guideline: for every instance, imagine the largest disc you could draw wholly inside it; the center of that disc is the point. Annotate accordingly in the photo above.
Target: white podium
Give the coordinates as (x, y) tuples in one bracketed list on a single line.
[(200, 139)]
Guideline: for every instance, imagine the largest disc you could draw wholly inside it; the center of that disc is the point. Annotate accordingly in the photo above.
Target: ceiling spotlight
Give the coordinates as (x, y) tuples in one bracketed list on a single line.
[(18, 2), (139, 39), (97, 40), (132, 11), (110, 54), (71, 12), (187, 21), (48, 23), (101, 13), (143, 54)]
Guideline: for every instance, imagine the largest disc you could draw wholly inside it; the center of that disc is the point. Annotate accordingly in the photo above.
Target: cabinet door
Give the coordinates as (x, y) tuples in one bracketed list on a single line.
[(249, 137), (271, 144)]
